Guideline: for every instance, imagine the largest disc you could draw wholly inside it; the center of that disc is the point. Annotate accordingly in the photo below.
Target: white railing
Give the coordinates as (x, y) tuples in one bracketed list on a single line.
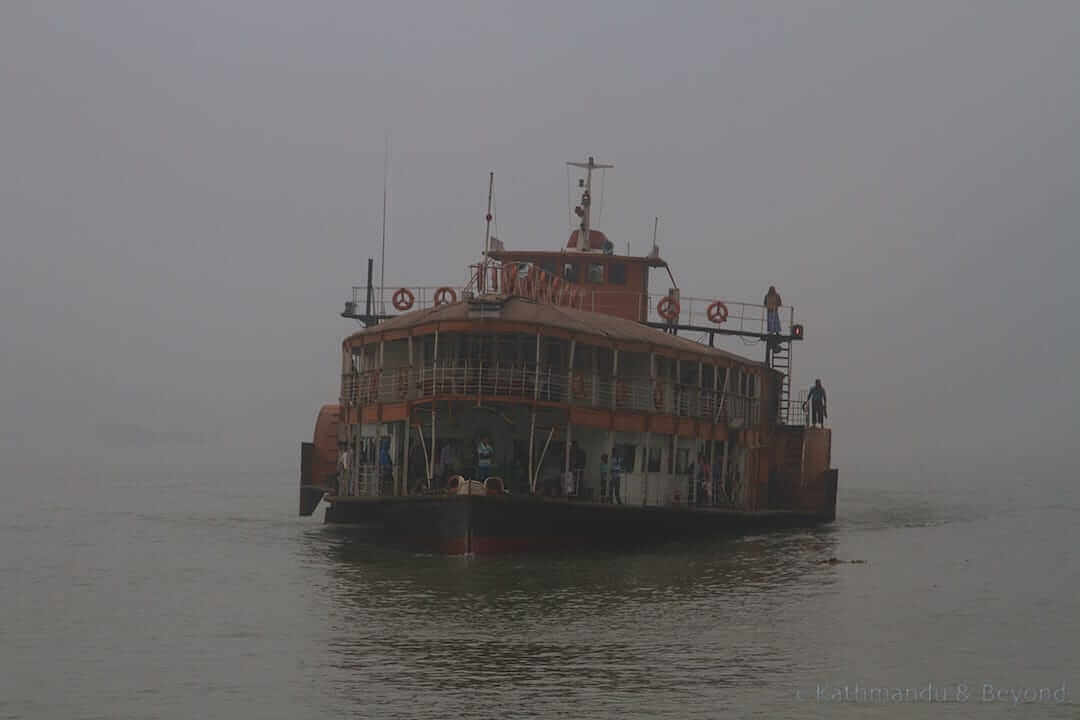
[(361, 482), (640, 393), (423, 296), (737, 316)]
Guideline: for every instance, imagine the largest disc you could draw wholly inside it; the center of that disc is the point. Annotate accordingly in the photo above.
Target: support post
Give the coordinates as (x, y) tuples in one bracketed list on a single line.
[(569, 432), (674, 463), (570, 374), (614, 378), (700, 387), (431, 458), (723, 468), (652, 380), (529, 465), (645, 475), (434, 377), (536, 382), (404, 474), (610, 464), (377, 489), (595, 375)]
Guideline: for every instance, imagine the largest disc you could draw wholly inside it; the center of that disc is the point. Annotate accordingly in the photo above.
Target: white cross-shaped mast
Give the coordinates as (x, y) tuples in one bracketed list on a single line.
[(586, 199)]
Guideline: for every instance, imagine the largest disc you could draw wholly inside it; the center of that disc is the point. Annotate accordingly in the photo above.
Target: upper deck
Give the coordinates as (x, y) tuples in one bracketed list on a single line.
[(586, 274)]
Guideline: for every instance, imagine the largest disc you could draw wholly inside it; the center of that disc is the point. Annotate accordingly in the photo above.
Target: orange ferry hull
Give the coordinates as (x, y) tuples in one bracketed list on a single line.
[(497, 524)]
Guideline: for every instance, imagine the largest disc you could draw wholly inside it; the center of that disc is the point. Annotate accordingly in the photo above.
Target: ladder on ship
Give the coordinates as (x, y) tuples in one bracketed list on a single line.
[(780, 359)]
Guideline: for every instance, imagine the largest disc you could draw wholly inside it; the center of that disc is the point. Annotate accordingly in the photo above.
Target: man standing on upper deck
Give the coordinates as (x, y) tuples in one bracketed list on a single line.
[(816, 400), (772, 305)]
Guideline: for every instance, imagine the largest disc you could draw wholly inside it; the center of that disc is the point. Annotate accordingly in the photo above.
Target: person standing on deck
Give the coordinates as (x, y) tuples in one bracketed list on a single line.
[(772, 305), (418, 469), (484, 454), (446, 462), (577, 456), (816, 400), (616, 478), (386, 468), (704, 476)]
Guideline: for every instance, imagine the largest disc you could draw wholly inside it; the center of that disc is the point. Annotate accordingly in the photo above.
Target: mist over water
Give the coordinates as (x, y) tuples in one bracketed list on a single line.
[(188, 191), (175, 592)]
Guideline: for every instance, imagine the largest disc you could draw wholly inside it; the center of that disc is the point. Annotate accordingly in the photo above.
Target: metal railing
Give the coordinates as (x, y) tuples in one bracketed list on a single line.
[(423, 297), (527, 382), (744, 317), (799, 411), (361, 482), (741, 317)]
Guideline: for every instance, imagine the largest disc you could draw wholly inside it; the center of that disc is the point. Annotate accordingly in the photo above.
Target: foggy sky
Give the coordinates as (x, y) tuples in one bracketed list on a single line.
[(188, 191)]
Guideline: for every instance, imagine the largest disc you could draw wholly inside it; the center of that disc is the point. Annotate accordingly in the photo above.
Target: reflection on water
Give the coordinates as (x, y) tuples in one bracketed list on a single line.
[(675, 618), (179, 595)]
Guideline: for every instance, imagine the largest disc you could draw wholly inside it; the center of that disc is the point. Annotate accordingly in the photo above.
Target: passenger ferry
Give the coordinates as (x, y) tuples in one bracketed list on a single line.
[(555, 401)]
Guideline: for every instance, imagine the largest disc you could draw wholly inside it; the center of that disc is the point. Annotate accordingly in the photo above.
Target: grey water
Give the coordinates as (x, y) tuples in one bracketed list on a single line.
[(178, 592)]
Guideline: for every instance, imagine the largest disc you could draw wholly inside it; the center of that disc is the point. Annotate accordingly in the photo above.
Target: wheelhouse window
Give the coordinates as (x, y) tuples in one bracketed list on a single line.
[(596, 273), (626, 454), (570, 272), (617, 273)]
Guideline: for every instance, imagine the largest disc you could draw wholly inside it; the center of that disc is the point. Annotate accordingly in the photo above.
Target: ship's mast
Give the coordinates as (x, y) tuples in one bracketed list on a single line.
[(382, 254), (582, 210), (487, 218)]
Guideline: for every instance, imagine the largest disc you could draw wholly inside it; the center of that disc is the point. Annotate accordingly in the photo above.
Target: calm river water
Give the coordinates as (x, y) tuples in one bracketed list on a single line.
[(183, 593)]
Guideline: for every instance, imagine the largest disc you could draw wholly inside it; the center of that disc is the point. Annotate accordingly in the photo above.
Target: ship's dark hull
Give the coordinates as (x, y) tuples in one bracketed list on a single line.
[(493, 524)]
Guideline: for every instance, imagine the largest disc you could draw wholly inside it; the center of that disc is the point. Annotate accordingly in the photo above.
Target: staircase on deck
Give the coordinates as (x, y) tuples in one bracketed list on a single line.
[(779, 359)]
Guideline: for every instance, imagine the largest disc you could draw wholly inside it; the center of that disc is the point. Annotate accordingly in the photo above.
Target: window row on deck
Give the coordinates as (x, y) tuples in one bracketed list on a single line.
[(505, 366)]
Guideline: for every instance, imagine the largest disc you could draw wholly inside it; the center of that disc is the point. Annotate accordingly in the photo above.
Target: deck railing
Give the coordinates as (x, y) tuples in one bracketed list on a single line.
[(740, 316), (634, 393)]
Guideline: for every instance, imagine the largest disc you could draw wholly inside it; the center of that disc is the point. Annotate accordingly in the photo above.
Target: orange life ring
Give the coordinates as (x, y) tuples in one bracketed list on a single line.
[(403, 299), (668, 308), (718, 313), (445, 295), (658, 395)]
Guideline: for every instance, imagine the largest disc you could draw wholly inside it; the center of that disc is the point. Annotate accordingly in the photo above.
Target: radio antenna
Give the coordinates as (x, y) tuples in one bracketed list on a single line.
[(382, 257)]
